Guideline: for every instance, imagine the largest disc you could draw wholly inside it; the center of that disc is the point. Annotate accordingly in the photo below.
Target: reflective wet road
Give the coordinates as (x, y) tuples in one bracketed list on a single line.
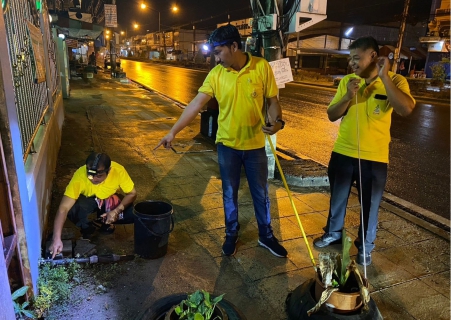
[(419, 169)]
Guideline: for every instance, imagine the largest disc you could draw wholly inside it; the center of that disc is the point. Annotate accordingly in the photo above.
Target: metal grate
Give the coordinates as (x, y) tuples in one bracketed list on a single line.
[(31, 97)]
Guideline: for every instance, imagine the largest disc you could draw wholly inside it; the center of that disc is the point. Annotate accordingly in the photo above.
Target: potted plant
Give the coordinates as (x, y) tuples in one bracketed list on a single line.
[(198, 306), (338, 282)]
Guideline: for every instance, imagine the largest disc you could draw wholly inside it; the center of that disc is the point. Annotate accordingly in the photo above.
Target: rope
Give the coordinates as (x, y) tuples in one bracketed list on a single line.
[(361, 187), (289, 194)]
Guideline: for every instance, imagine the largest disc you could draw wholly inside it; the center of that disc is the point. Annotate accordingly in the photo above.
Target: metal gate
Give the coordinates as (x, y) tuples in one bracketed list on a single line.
[(33, 62)]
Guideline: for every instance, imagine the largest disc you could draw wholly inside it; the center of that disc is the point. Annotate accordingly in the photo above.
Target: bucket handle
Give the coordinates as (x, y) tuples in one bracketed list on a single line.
[(158, 234)]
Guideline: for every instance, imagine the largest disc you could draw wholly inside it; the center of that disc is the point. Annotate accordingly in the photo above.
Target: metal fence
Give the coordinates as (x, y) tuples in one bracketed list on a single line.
[(33, 62)]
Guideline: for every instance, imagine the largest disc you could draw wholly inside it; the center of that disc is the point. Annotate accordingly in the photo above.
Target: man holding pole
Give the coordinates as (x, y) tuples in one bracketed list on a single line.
[(241, 83)]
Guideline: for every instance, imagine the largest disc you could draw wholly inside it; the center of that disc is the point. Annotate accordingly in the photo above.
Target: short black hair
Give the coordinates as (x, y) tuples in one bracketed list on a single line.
[(225, 35), (365, 43), (104, 160)]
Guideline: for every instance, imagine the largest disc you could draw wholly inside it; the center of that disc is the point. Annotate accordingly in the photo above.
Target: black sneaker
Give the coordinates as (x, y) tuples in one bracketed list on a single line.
[(229, 245), (273, 245)]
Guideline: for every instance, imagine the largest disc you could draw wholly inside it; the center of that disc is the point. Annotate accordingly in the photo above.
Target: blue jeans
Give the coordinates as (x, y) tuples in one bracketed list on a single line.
[(255, 164), (342, 172)]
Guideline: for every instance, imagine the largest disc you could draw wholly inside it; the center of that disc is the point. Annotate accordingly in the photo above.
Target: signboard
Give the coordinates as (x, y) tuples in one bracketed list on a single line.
[(71, 43), (110, 15), (37, 50), (314, 6), (282, 71)]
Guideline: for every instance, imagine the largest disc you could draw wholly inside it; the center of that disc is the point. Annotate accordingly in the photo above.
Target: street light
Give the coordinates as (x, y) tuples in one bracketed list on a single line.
[(144, 6)]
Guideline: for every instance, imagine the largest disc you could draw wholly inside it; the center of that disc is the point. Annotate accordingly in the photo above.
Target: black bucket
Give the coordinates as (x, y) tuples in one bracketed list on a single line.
[(153, 223)]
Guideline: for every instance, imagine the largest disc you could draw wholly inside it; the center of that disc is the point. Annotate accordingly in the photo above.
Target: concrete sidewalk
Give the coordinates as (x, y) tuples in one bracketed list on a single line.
[(409, 277)]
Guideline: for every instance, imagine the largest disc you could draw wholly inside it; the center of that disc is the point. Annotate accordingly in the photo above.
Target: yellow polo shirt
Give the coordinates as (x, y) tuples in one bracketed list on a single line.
[(374, 119), (117, 179), (241, 96)]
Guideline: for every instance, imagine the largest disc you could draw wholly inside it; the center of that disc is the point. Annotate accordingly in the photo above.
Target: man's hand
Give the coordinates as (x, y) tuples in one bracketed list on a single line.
[(56, 247), (382, 66), (272, 128), (110, 217), (166, 141), (353, 86)]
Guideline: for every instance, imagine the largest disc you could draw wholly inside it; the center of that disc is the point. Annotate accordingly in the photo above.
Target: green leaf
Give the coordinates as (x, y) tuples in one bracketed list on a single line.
[(218, 298), (19, 292), (178, 310), (346, 259), (198, 316), (29, 314), (25, 304)]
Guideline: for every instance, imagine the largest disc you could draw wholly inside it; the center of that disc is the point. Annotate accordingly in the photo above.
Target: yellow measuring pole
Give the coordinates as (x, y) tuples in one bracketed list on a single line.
[(289, 195)]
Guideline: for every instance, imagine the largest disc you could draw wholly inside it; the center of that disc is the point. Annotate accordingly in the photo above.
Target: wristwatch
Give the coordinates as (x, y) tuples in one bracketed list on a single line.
[(282, 122)]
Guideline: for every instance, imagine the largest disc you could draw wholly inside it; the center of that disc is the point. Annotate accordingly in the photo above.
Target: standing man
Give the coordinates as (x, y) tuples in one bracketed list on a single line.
[(92, 58), (93, 188), (364, 102), (240, 83)]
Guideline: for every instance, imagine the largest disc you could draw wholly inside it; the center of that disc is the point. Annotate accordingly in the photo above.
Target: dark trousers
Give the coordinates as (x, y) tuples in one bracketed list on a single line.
[(343, 171), (84, 206)]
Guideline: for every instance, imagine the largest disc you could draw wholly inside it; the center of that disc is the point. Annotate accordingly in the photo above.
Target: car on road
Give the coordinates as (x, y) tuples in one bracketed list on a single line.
[(107, 61)]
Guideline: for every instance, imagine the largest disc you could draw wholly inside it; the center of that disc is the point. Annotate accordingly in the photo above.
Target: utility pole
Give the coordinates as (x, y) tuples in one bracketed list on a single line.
[(113, 46), (402, 29)]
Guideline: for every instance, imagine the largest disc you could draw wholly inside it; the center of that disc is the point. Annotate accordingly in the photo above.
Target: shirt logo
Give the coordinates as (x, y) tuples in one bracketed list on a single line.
[(377, 110)]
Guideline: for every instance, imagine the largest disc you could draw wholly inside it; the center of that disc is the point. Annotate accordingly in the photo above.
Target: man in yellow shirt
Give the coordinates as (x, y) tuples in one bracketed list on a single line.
[(93, 188), (364, 103), (242, 84)]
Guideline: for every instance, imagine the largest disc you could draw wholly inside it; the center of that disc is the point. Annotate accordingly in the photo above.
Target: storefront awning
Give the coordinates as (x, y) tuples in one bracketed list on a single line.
[(80, 34)]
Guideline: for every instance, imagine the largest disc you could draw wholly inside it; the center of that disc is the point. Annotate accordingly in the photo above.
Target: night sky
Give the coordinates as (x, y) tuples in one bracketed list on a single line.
[(207, 13)]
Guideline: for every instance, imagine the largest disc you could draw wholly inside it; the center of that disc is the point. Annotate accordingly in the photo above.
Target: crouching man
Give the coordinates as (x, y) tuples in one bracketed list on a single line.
[(93, 188)]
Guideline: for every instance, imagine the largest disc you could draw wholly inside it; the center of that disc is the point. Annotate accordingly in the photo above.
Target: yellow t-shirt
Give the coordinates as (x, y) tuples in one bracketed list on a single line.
[(241, 97), (117, 179), (374, 119)]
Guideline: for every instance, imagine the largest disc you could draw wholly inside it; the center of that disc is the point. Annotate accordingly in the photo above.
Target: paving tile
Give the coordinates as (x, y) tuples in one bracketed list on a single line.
[(283, 228), (252, 303), (317, 201), (277, 287), (384, 273), (420, 300), (299, 254), (211, 241), (284, 207), (388, 308), (384, 238), (312, 223), (439, 282), (414, 259), (406, 230), (203, 221), (437, 248), (259, 263)]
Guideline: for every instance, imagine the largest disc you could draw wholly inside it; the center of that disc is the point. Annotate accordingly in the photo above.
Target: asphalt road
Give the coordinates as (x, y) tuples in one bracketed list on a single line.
[(419, 169)]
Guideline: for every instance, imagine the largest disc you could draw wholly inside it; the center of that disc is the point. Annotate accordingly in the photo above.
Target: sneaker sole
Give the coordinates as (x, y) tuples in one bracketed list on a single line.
[(270, 250)]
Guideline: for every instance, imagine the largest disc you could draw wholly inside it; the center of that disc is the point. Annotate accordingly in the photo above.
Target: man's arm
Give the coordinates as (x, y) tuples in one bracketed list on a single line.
[(275, 113), (401, 102), (61, 215), (113, 215), (337, 110), (190, 112)]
